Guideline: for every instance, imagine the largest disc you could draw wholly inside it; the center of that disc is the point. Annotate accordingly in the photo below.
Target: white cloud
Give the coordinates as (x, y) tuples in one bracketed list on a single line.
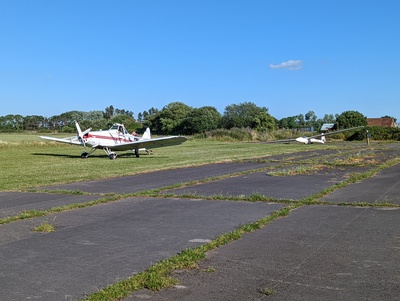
[(289, 65)]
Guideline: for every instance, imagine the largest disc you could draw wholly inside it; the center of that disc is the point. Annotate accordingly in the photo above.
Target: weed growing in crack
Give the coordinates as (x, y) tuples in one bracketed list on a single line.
[(45, 228)]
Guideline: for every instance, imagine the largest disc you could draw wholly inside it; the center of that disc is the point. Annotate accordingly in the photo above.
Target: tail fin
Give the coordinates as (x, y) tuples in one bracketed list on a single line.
[(146, 135)]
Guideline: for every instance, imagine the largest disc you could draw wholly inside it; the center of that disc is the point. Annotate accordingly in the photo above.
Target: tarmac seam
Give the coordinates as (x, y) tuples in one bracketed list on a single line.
[(386, 192)]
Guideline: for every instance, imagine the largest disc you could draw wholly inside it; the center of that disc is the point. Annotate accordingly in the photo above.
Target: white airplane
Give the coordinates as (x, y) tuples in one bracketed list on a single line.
[(117, 138), (314, 139)]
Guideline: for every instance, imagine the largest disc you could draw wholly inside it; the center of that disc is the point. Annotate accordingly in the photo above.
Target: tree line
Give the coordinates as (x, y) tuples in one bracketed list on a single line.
[(179, 118), (65, 121)]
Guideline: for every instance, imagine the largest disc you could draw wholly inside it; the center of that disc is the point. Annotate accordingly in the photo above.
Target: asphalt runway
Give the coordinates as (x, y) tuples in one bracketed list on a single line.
[(14, 203), (384, 187), (99, 245), (152, 180), (318, 252), (277, 187)]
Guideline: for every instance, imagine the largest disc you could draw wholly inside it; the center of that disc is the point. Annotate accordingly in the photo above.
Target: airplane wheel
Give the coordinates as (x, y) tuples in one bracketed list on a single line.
[(112, 156), (84, 155)]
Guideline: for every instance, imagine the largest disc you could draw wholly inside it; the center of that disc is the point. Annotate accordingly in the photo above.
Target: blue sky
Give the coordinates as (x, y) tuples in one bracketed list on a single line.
[(290, 56)]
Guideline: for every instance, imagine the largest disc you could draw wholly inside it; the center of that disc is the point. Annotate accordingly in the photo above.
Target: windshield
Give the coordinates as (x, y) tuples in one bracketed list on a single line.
[(120, 128)]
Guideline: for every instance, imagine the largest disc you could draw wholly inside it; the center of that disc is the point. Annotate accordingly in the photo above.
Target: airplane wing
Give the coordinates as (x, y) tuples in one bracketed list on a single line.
[(71, 140), (286, 141), (149, 144), (313, 137), (336, 132)]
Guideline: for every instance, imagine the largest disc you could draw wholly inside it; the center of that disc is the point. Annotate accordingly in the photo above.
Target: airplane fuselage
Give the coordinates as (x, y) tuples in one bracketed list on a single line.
[(108, 138), (307, 140)]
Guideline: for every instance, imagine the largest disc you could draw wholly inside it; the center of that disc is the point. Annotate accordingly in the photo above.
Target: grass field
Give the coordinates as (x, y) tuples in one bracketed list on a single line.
[(27, 161)]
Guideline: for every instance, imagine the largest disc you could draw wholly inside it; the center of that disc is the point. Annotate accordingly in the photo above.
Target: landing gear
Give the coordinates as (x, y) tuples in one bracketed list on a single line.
[(112, 156), (86, 154), (137, 153)]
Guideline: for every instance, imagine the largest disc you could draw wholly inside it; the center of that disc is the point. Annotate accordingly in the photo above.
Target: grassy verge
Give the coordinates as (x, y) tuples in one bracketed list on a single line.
[(39, 213)]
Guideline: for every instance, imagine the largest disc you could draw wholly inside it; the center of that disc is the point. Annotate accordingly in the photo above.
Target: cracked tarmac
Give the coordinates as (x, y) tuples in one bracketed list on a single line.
[(318, 252)]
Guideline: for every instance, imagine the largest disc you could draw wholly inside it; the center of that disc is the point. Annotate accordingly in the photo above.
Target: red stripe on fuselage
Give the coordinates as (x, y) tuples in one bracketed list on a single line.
[(117, 138)]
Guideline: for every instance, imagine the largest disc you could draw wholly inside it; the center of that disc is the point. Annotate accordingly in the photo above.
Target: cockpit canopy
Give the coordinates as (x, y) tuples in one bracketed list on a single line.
[(120, 128)]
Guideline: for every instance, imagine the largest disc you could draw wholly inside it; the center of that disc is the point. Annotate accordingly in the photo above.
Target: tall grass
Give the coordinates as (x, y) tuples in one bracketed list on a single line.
[(248, 134)]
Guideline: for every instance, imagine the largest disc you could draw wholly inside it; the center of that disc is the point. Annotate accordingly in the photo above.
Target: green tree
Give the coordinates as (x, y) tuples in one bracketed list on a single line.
[(311, 118), (300, 120), (142, 117), (313, 121), (128, 121), (288, 122), (11, 123), (318, 124), (124, 112), (201, 119), (169, 120), (94, 115), (350, 119), (264, 121), (246, 114), (93, 119), (34, 122), (109, 112), (329, 118)]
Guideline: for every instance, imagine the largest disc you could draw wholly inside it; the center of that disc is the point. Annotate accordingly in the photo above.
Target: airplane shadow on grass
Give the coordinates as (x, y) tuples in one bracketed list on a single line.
[(123, 155)]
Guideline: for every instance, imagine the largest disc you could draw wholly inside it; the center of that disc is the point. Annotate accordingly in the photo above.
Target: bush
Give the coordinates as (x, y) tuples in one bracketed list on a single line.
[(383, 133), (339, 136), (377, 133), (234, 134)]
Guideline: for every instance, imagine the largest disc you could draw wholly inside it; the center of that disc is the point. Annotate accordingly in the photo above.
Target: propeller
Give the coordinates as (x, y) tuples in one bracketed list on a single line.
[(81, 134)]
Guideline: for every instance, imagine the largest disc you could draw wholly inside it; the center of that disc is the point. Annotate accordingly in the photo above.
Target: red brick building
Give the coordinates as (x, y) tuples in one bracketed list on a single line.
[(385, 122)]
